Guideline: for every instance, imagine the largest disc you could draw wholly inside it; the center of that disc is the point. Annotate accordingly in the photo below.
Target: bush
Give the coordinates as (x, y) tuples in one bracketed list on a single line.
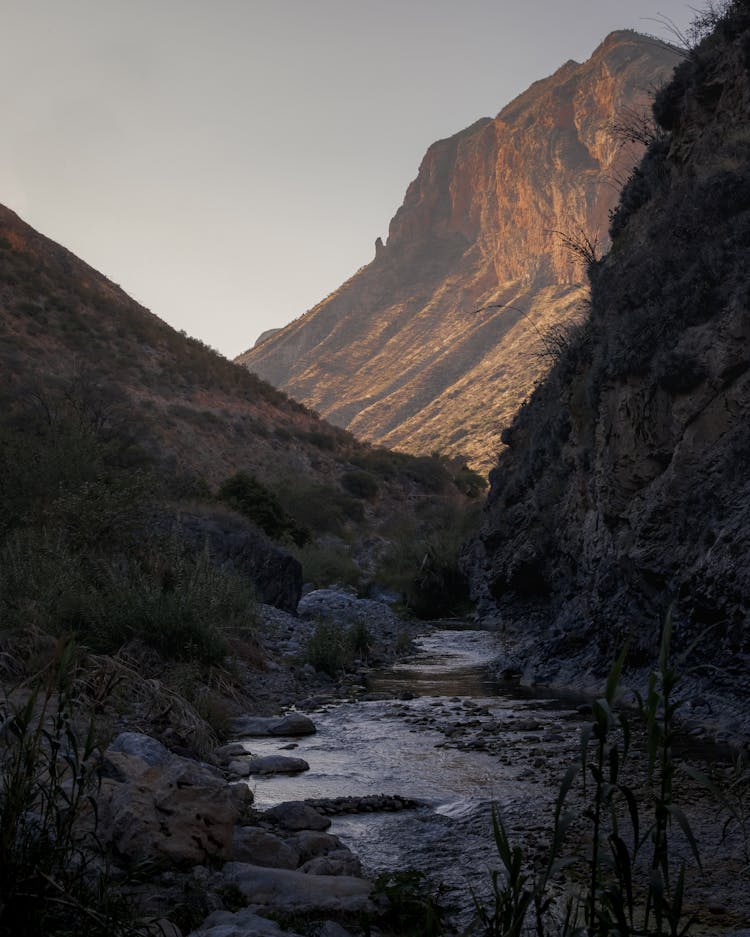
[(327, 564), (185, 607), (422, 564), (323, 509), (334, 649), (249, 497), (360, 484)]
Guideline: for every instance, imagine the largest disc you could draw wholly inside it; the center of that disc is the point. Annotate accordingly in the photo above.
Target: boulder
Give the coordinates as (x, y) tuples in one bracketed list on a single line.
[(227, 753), (179, 812), (239, 769), (276, 764), (332, 929), (310, 844), (238, 544), (149, 750), (261, 726), (285, 890), (259, 847), (244, 923), (338, 862), (296, 815)]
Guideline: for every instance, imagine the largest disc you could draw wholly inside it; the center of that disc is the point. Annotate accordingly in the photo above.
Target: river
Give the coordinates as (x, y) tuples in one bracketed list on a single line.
[(447, 734)]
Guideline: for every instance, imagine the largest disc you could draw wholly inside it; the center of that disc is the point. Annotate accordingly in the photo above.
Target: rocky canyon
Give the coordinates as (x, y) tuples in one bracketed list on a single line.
[(399, 354)]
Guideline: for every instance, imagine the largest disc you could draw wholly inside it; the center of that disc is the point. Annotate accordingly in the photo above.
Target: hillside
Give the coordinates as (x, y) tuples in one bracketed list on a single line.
[(397, 354), (79, 358), (624, 490)]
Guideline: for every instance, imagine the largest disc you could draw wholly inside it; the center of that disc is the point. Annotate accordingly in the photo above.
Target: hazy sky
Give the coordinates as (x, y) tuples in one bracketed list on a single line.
[(230, 162)]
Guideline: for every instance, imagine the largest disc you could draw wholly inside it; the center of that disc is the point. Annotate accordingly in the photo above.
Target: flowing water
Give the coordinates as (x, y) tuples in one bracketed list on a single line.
[(446, 734)]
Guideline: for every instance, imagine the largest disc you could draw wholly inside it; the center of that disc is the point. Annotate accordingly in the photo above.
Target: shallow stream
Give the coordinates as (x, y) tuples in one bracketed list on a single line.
[(439, 729), (448, 735)]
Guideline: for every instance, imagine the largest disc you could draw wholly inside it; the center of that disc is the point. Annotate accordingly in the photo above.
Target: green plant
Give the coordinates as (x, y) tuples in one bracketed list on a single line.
[(181, 604), (619, 889), (361, 484), (325, 564), (333, 649), (247, 495), (321, 508), (422, 562), (53, 873)]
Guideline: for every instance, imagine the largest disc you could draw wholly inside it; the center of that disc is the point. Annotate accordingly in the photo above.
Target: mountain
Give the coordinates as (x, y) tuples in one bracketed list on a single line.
[(82, 364), (397, 354), (624, 496)]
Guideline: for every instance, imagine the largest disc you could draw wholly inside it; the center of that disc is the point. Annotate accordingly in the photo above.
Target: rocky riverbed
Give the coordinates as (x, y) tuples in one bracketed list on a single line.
[(284, 829)]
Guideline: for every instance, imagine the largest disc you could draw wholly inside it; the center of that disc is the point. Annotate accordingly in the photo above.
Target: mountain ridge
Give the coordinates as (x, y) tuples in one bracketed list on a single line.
[(394, 353), (622, 498)]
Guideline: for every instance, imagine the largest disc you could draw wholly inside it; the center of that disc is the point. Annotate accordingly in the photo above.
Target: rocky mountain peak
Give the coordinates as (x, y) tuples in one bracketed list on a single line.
[(396, 354)]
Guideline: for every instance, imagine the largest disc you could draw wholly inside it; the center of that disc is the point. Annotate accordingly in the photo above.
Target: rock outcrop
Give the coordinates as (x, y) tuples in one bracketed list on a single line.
[(624, 490), (236, 544), (397, 354), (157, 806)]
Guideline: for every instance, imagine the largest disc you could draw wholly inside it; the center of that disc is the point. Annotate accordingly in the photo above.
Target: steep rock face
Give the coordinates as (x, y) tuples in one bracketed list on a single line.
[(397, 354), (625, 489)]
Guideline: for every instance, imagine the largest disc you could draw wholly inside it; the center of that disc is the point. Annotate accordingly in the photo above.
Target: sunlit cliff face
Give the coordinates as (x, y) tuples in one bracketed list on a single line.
[(396, 354)]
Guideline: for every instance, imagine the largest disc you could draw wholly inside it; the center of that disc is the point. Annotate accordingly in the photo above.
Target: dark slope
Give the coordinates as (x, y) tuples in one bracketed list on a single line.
[(626, 486)]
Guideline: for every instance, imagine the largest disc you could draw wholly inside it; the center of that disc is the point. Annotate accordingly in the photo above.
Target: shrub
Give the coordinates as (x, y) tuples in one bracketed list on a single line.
[(360, 484), (183, 606), (321, 508), (249, 497), (334, 649), (422, 563), (326, 564), (469, 482)]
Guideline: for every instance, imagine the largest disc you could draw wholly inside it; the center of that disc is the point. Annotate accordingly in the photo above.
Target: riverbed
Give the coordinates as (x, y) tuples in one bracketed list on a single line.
[(439, 728)]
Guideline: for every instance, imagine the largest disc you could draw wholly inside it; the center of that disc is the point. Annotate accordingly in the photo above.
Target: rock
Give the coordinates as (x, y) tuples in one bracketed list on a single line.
[(179, 812), (149, 750), (239, 769), (244, 923), (161, 928), (291, 724), (294, 891), (241, 794), (332, 929), (296, 815), (227, 753), (338, 862), (236, 543), (259, 847), (311, 844), (346, 609), (276, 764)]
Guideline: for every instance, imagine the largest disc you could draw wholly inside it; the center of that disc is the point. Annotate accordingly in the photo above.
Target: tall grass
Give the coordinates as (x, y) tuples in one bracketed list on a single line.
[(628, 880), (53, 872)]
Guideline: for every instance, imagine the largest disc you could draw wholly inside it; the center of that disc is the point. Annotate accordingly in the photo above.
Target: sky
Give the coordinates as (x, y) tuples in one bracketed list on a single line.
[(231, 162)]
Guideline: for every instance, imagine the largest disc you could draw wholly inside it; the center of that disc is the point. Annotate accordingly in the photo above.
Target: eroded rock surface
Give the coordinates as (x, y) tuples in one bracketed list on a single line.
[(625, 489), (397, 354), (175, 810)]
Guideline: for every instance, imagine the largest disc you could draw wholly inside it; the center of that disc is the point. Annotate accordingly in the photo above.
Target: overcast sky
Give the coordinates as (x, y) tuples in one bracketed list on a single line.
[(230, 162)]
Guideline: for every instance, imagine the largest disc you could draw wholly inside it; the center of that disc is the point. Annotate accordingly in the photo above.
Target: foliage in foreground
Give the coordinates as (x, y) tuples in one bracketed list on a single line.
[(629, 879), (334, 649), (53, 874)]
